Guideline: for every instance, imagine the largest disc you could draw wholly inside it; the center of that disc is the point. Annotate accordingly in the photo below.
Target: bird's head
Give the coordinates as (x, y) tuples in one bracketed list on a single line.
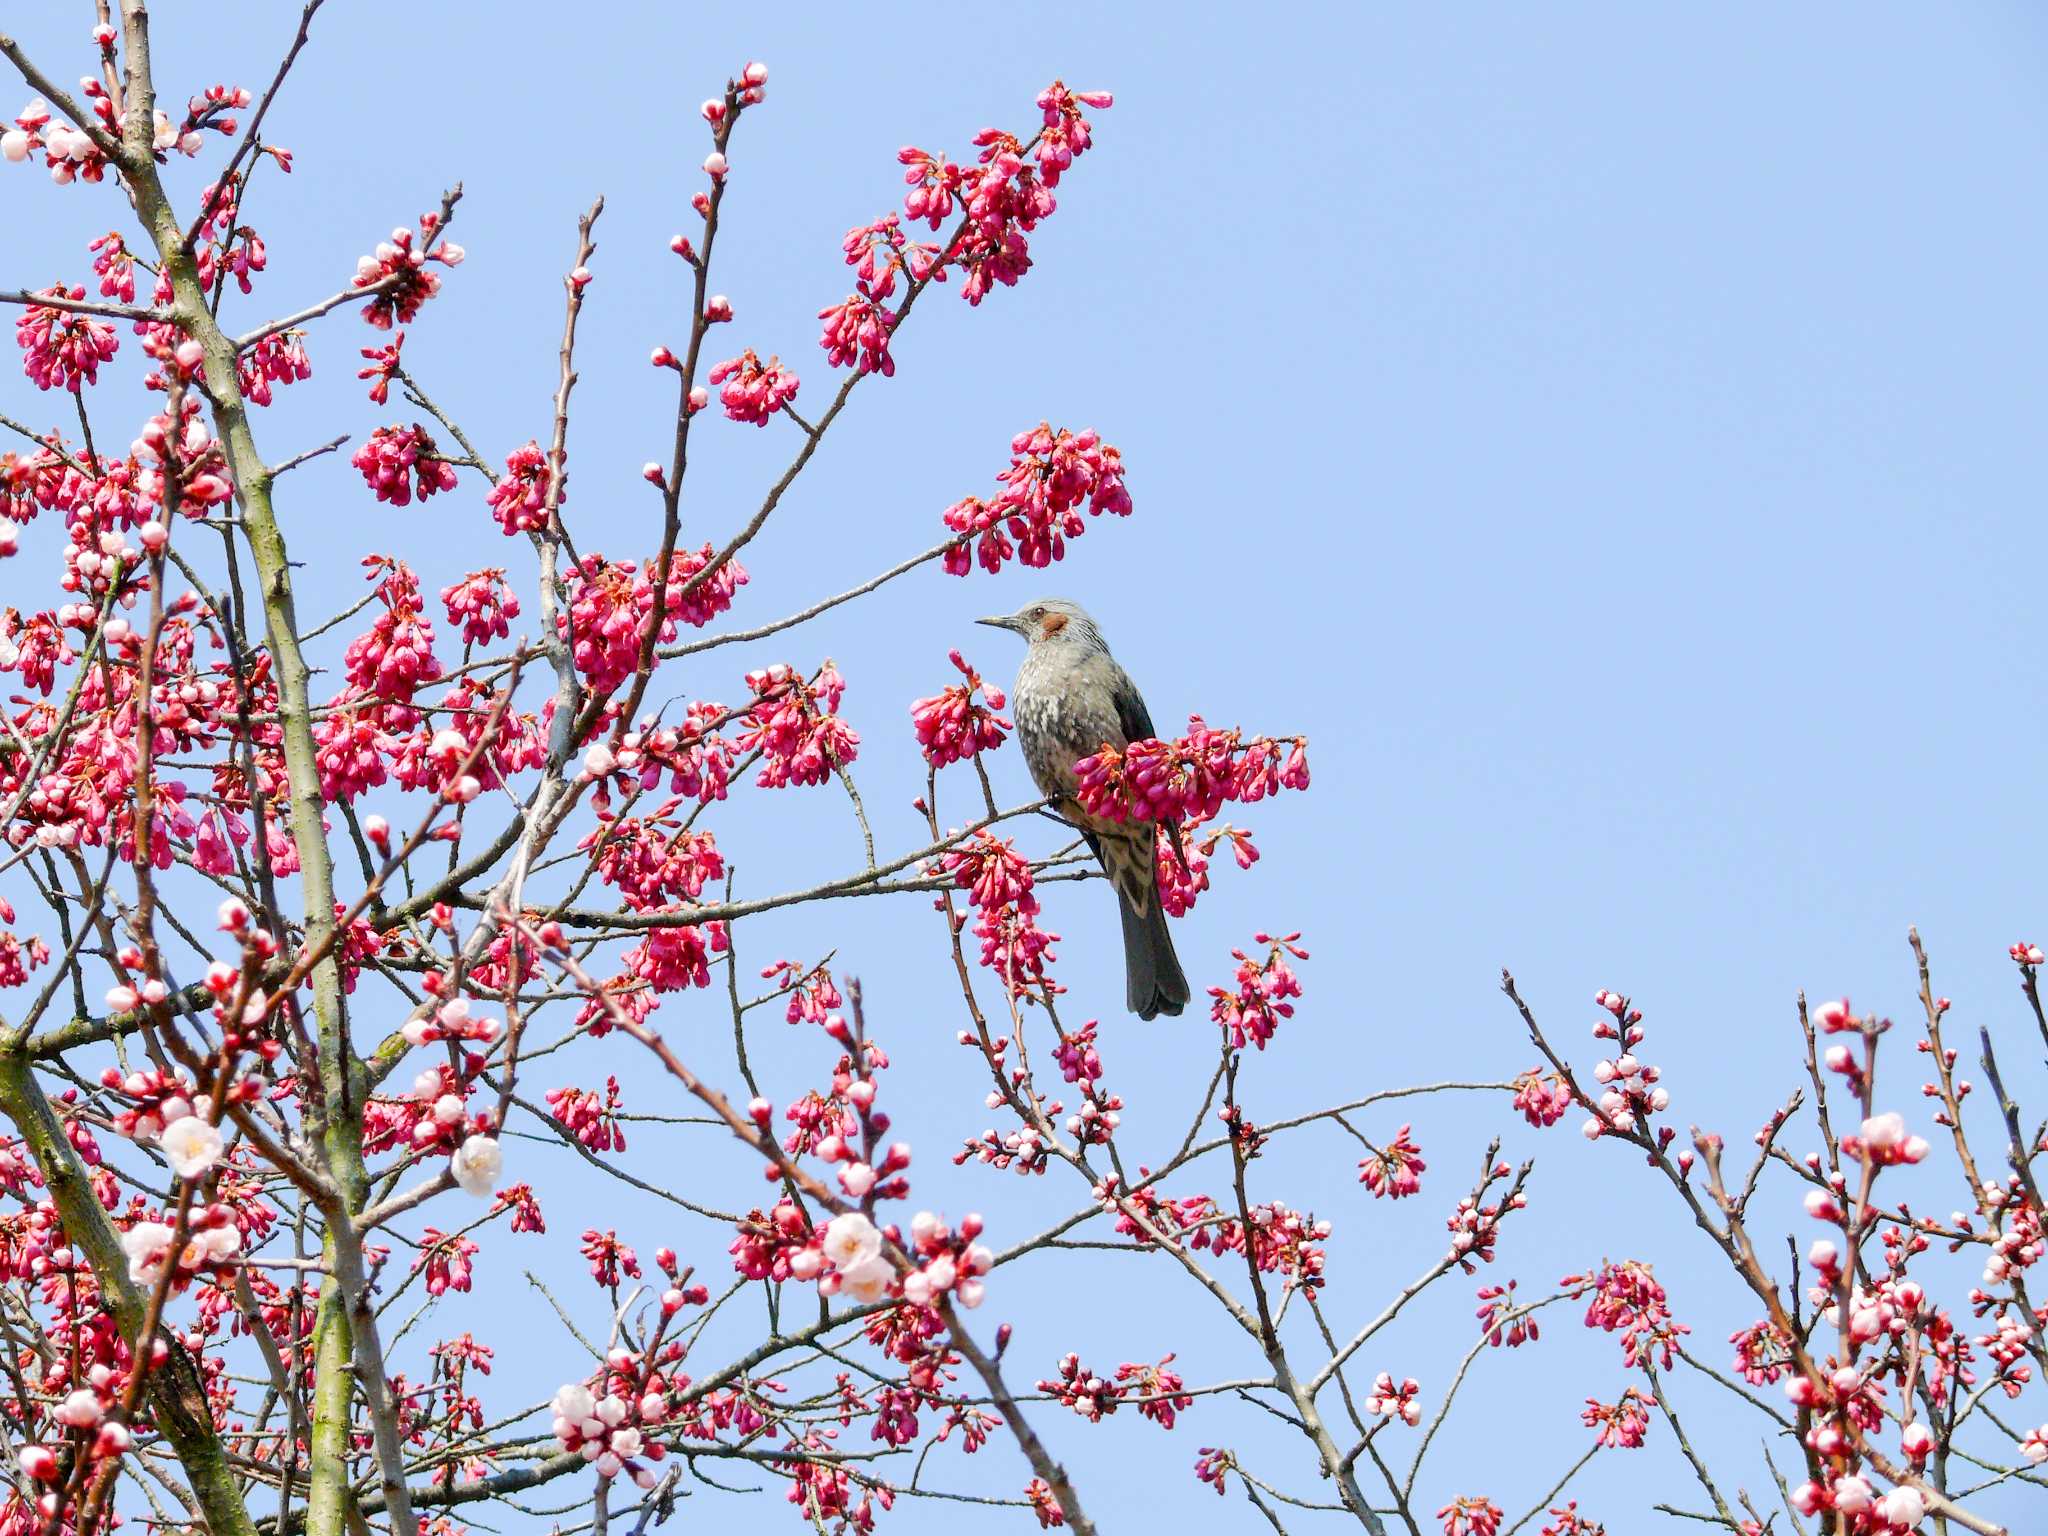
[(1049, 619)]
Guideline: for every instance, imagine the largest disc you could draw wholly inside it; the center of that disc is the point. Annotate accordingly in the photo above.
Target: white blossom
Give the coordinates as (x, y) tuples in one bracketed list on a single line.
[(148, 1246), (192, 1145), (477, 1164), (851, 1240)]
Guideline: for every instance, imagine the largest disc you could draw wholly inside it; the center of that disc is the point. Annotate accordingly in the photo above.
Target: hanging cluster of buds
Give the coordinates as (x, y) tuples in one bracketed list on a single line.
[(1394, 1170), (1190, 778), (953, 725), (795, 726), (62, 349), (1251, 1014), (1052, 478), (753, 391), (398, 463)]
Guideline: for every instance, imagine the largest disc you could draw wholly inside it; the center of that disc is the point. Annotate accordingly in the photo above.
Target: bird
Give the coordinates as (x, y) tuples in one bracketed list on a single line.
[(1072, 700)]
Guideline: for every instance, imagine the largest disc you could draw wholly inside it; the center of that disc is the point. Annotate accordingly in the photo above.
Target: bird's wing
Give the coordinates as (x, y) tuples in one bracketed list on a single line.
[(1132, 716), (1135, 720)]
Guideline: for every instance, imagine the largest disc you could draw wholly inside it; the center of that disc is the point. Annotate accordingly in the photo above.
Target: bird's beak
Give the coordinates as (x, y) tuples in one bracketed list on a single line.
[(1003, 621)]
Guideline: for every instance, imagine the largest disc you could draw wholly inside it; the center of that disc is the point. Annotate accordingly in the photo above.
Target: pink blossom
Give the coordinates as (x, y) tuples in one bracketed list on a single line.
[(1470, 1517), (1065, 136), (383, 368), (482, 605), (1395, 1170), (1542, 1100), (856, 335), (951, 726), (1052, 476), (397, 461), (590, 1117), (1388, 1401), (753, 391), (1265, 989), (672, 959), (1621, 1425), (399, 272), (519, 500), (795, 725), (1626, 1298), (62, 349)]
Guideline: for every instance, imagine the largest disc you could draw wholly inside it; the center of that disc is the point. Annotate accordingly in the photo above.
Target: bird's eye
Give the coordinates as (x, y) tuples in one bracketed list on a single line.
[(1038, 613)]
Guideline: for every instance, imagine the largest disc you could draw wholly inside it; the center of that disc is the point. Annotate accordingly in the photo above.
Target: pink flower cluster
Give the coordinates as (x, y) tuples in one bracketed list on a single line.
[(395, 658), (445, 1259), (946, 1261), (1471, 1517), (1542, 1100), (68, 152), (951, 726), (857, 335), (1866, 1511), (451, 1021), (396, 462), (1190, 778), (795, 726), (1632, 1092), (383, 368), (60, 348), (998, 882), (1762, 1354), (279, 358), (1883, 1142), (1394, 1170), (1093, 1397), (990, 870), (1475, 1227), (1252, 1014), (612, 607), (114, 264), (1621, 1425), (590, 1117), (1626, 1298), (610, 1260), (191, 453), (673, 959), (655, 861), (481, 605), (1498, 1319), (615, 1432), (812, 993), (1004, 196), (1052, 476), (753, 390), (519, 500), (399, 273), (1066, 134), (697, 759), (1388, 1401)]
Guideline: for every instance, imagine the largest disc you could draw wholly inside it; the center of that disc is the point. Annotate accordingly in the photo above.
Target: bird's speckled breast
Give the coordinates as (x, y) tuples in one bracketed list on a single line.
[(1065, 708)]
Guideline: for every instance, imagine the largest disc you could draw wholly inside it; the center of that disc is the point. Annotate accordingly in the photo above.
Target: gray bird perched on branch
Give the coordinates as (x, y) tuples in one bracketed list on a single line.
[(1071, 700)]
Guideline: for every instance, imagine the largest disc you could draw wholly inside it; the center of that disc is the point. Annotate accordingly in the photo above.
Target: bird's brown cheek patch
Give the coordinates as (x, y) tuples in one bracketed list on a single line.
[(1053, 624)]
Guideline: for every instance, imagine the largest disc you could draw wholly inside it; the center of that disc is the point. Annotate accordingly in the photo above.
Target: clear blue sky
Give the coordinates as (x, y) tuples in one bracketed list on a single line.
[(1613, 433)]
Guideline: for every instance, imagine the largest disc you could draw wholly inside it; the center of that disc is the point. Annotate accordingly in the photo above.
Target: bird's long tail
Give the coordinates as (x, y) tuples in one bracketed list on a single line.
[(1153, 980)]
